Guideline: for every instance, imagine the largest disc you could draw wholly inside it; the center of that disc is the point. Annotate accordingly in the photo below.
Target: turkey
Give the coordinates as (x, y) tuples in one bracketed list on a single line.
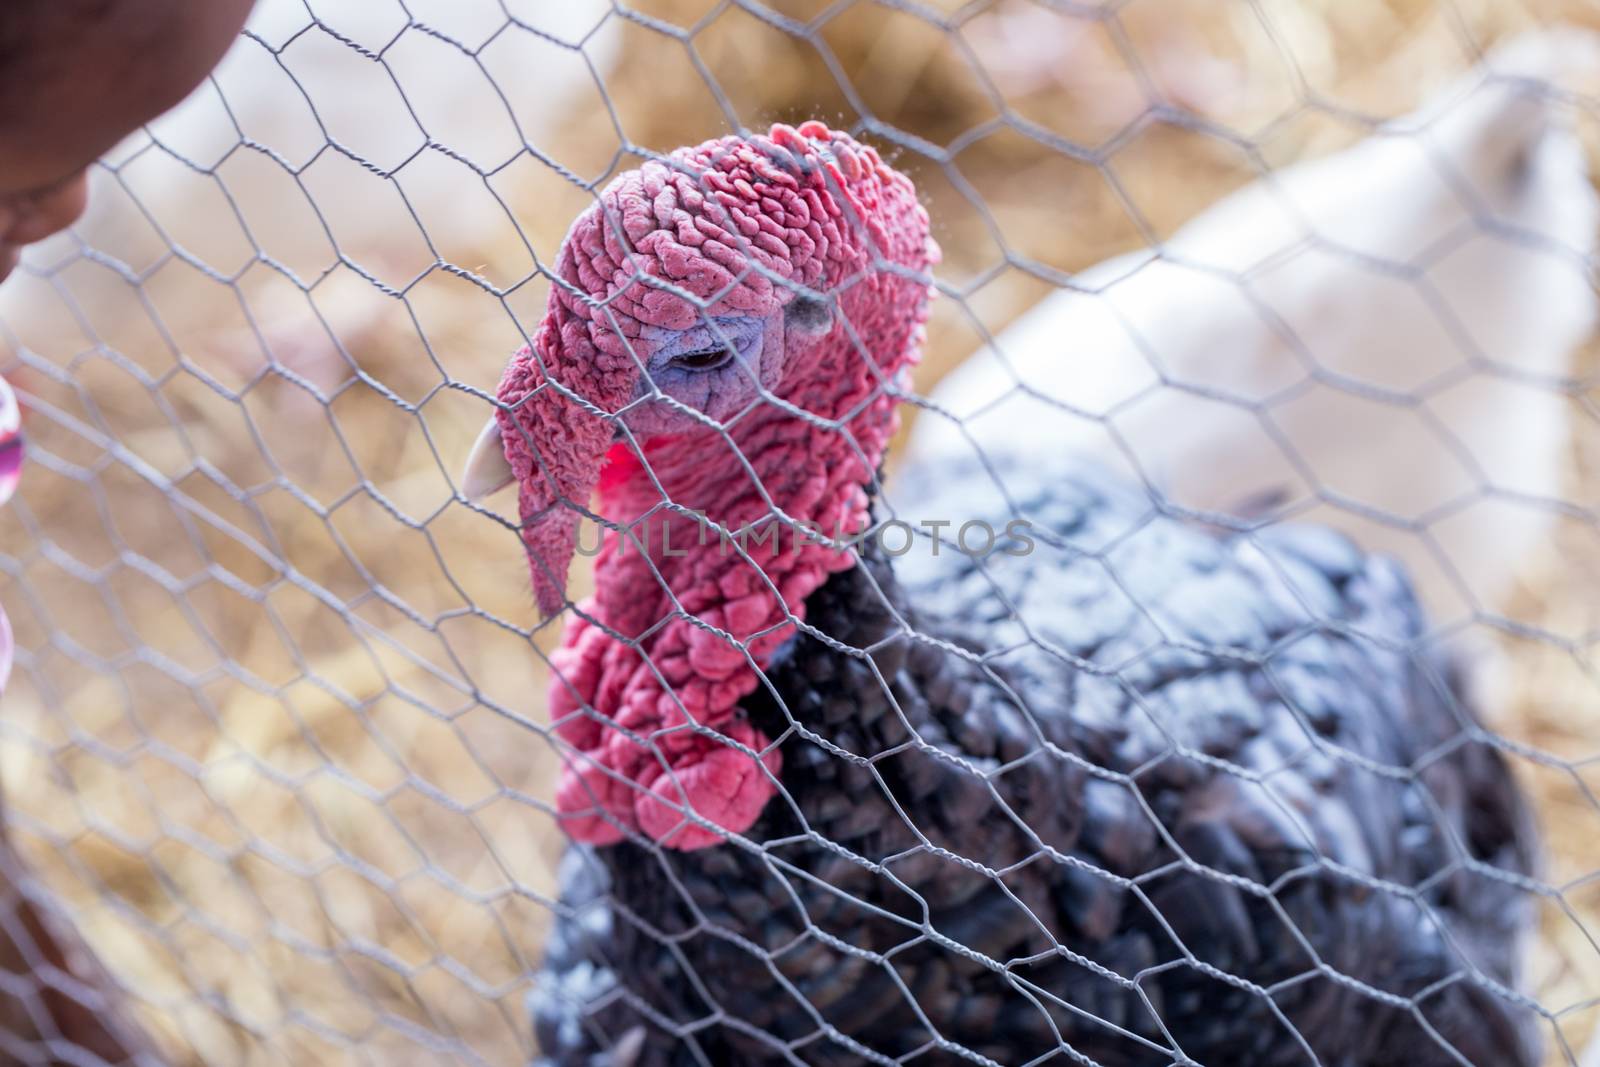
[(1104, 787), (1429, 285)]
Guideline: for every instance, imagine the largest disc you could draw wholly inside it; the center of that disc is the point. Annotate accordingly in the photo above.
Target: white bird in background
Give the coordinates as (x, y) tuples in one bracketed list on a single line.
[(1382, 337)]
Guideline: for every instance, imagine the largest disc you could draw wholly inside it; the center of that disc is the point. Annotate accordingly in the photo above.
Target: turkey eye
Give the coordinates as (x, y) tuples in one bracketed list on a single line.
[(808, 313), (703, 359)]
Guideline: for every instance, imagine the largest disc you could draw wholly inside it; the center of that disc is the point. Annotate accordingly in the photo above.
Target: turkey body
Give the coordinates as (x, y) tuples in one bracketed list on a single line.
[(1137, 796)]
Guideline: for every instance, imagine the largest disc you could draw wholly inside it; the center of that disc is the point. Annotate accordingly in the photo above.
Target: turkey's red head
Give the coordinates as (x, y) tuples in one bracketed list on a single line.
[(725, 335), (739, 272)]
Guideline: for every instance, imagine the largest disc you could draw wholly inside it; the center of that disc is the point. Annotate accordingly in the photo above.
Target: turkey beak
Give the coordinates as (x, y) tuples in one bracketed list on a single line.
[(488, 470), (553, 449)]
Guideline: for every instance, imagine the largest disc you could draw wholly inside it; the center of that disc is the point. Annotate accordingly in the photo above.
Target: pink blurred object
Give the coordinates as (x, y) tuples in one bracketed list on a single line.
[(10, 473)]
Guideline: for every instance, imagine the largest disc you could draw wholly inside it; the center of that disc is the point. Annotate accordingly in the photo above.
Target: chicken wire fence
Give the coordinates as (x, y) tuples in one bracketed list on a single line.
[(276, 743)]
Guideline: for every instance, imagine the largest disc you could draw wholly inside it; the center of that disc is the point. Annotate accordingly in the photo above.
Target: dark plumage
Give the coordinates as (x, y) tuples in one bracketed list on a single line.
[(1145, 795)]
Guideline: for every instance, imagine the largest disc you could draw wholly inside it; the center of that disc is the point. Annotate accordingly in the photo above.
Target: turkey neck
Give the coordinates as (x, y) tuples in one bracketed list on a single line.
[(742, 502), (690, 609)]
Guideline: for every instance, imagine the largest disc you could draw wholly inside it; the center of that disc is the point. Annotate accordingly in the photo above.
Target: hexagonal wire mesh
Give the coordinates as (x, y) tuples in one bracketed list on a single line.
[(277, 745)]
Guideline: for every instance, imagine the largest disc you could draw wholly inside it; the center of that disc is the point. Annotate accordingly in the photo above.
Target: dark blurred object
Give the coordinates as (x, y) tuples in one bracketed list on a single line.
[(58, 1005)]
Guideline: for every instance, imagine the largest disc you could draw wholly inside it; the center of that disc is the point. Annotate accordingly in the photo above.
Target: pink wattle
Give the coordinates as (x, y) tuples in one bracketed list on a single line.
[(654, 718)]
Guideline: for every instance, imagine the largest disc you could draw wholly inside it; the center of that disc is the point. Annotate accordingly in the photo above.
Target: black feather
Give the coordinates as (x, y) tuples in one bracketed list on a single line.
[(1144, 796)]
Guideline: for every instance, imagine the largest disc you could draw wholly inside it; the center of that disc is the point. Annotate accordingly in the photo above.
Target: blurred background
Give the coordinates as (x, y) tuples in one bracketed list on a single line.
[(275, 734)]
